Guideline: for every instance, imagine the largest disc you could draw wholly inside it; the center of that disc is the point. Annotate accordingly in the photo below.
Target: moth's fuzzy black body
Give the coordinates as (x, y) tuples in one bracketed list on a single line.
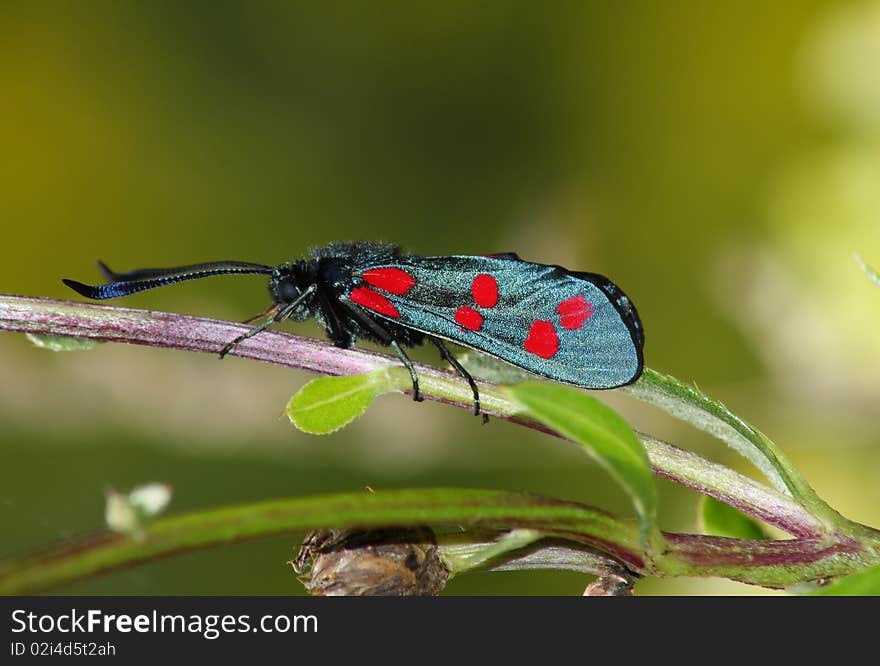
[(330, 269), (301, 289)]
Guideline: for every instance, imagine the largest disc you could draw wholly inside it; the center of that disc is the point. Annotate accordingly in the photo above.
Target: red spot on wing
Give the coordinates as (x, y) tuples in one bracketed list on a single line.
[(393, 280), (542, 340), (575, 311), (468, 318), (485, 290), (373, 301)]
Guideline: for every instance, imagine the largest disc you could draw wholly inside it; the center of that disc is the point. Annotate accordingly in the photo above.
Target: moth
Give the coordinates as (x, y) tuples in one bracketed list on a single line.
[(568, 326)]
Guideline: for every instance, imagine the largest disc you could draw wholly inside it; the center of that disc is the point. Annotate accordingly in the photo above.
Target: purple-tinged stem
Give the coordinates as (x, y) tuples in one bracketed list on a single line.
[(739, 491), (175, 331), (770, 563), (814, 554)]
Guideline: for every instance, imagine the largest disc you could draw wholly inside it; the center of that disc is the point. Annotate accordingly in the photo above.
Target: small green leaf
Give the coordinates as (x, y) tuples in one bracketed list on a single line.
[(326, 404), (720, 519), (602, 433), (870, 271), (860, 584), (61, 343)]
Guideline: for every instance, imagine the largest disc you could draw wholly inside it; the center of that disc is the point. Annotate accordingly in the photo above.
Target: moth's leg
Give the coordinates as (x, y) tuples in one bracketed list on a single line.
[(280, 314), (387, 337), (449, 358), (336, 330), (251, 333), (409, 366)]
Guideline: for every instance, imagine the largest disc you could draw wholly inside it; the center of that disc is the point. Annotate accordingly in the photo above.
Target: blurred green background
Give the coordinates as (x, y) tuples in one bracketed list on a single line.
[(719, 160)]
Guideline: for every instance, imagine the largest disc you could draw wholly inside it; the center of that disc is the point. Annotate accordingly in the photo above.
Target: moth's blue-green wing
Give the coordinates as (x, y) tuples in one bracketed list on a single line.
[(577, 328)]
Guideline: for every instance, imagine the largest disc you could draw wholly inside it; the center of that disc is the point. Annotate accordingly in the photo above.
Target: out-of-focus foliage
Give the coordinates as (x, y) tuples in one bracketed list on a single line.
[(722, 519), (718, 160)]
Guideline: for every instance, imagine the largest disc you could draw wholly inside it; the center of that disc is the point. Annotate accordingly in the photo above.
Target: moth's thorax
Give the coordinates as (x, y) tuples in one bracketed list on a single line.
[(336, 265)]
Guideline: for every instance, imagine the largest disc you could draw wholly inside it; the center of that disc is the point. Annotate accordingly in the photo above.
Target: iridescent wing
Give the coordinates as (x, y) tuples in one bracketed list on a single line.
[(577, 328)]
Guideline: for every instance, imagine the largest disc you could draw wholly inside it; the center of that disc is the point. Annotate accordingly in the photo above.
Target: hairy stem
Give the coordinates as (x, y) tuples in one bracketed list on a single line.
[(174, 331), (724, 484)]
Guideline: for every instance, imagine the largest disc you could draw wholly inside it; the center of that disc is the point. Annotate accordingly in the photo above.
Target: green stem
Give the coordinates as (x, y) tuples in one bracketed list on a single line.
[(88, 321), (724, 484), (97, 553), (691, 405), (768, 563), (776, 564), (828, 545)]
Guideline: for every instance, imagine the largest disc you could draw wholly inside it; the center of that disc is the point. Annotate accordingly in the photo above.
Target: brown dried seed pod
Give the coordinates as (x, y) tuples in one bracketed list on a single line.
[(611, 585), (381, 562)]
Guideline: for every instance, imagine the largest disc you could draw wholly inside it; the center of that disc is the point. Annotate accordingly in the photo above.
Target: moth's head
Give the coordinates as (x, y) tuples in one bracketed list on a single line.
[(287, 284)]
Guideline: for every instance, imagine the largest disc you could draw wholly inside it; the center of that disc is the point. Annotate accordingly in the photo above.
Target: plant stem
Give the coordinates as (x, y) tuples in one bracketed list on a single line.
[(724, 484), (97, 553), (817, 552), (768, 563), (174, 331), (692, 406)]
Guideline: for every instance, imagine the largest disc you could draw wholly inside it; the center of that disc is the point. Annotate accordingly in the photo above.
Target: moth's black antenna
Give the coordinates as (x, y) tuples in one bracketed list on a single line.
[(142, 279)]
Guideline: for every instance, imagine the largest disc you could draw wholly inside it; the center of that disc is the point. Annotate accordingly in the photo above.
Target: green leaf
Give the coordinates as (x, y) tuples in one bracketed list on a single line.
[(602, 433), (860, 584), (60, 343), (870, 271), (326, 404), (720, 519)]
